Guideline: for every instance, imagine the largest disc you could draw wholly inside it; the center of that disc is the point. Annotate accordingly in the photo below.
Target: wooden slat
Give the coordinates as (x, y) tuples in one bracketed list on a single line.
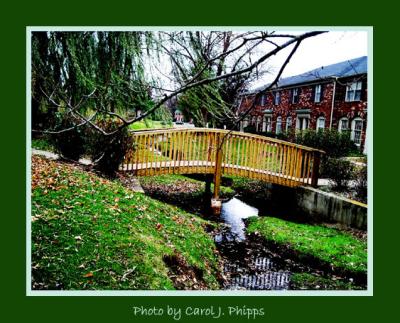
[(290, 164), (260, 155), (264, 158), (304, 168), (195, 151), (152, 154)]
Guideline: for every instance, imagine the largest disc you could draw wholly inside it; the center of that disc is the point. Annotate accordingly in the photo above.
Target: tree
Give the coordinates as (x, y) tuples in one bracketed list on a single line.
[(81, 72), (92, 74)]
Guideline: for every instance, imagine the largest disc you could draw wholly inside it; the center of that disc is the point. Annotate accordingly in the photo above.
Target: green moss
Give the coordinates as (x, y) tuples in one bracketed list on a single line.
[(308, 281), (91, 233), (339, 249)]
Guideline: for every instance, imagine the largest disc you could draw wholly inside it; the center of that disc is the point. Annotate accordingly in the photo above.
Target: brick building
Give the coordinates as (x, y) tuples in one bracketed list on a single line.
[(333, 96)]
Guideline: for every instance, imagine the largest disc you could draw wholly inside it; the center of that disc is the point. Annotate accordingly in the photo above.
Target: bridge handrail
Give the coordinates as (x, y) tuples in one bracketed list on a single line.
[(227, 132), (219, 151)]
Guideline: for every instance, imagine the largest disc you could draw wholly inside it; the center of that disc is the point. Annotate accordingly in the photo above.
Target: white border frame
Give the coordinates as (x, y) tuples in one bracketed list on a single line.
[(369, 132)]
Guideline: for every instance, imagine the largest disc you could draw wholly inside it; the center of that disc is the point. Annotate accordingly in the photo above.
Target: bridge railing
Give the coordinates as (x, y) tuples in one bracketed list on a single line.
[(204, 150)]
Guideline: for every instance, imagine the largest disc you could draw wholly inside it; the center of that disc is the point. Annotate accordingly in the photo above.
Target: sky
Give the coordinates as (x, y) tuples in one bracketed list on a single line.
[(321, 50)]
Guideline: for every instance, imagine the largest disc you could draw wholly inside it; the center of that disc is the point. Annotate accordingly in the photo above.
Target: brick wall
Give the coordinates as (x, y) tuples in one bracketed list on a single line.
[(286, 108)]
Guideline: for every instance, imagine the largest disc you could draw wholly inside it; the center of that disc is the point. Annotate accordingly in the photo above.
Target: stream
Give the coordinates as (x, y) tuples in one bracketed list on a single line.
[(246, 267), (249, 261)]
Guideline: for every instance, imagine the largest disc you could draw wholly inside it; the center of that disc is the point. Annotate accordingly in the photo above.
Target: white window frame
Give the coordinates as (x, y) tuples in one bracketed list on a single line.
[(278, 129), (302, 122), (245, 122), (356, 133), (277, 98), (319, 121), (267, 123), (295, 94), (288, 123), (353, 91), (262, 103), (317, 93), (341, 122), (258, 122)]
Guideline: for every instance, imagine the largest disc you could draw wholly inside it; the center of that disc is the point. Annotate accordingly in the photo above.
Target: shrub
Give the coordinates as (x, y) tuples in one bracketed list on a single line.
[(108, 151), (69, 144), (250, 129), (361, 183), (269, 134), (339, 171), (335, 144)]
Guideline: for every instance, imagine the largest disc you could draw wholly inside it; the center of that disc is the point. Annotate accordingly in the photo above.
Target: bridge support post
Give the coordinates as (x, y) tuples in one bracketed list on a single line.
[(315, 169), (215, 201)]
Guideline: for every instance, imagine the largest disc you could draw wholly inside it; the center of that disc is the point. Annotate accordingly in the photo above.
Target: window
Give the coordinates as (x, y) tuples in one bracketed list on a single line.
[(320, 123), (245, 122), (356, 130), (288, 123), (266, 124), (343, 125), (277, 98), (317, 93), (353, 91), (295, 95), (262, 103), (278, 129), (302, 122), (258, 124)]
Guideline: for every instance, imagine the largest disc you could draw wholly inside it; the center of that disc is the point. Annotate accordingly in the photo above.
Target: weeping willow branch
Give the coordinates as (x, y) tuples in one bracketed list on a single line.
[(188, 83)]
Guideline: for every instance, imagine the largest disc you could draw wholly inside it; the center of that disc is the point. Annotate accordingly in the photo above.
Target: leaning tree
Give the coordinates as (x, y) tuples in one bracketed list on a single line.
[(101, 80)]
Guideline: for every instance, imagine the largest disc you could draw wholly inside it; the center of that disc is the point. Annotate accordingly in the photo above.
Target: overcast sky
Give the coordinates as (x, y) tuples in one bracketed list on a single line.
[(321, 50)]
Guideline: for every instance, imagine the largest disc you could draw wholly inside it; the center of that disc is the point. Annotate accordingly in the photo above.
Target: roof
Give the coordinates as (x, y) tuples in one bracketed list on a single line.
[(347, 68)]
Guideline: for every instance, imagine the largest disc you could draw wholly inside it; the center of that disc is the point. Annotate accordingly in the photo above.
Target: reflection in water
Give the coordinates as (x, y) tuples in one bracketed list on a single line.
[(245, 267), (233, 212)]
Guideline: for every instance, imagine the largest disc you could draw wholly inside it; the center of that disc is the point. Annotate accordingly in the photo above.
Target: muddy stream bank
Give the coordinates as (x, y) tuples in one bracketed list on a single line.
[(248, 261)]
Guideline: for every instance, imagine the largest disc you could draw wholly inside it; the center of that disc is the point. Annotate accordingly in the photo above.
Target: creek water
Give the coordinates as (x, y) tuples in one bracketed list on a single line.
[(246, 267)]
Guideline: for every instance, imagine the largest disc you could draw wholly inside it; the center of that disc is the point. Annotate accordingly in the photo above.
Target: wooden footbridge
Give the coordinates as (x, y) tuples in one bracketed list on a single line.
[(221, 152)]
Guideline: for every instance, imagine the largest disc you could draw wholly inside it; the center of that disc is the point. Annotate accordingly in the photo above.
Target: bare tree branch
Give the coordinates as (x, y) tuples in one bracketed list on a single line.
[(193, 81)]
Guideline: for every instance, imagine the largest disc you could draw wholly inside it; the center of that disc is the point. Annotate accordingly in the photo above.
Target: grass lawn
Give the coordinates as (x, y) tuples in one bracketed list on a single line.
[(149, 124), (339, 249), (181, 191), (42, 144), (177, 180), (92, 233)]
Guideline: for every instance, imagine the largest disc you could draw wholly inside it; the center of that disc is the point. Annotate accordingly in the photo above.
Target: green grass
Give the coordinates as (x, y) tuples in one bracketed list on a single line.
[(149, 124), (91, 233), (339, 249), (176, 179), (166, 179), (308, 281), (42, 144)]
